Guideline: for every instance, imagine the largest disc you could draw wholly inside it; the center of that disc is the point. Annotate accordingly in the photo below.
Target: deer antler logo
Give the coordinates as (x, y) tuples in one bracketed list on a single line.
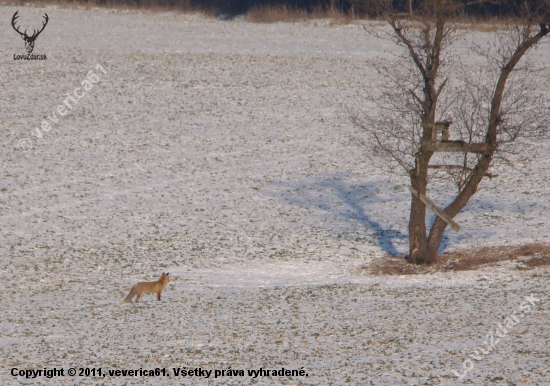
[(29, 40)]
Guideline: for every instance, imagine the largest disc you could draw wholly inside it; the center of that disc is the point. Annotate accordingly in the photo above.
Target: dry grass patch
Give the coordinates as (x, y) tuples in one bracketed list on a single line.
[(183, 6), (284, 13), (491, 24), (526, 257), (274, 14), (482, 27)]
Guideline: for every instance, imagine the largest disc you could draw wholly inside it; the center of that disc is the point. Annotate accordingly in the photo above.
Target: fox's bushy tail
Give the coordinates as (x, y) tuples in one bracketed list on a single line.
[(130, 295)]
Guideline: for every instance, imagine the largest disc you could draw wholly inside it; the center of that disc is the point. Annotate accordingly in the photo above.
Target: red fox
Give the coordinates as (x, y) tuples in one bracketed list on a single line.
[(152, 287)]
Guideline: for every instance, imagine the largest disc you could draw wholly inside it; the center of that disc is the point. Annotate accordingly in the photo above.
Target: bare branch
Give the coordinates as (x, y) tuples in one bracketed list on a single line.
[(460, 167)]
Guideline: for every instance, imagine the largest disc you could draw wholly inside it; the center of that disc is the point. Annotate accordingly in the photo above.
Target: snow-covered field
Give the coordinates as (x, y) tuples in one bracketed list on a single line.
[(221, 153)]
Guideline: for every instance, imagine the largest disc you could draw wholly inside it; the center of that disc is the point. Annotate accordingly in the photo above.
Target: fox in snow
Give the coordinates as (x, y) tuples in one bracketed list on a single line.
[(152, 287)]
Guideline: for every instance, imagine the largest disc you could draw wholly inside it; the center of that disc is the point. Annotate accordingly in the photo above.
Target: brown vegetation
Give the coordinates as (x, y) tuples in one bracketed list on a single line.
[(150, 5), (526, 256), (284, 13), (273, 14), (257, 14), (269, 13)]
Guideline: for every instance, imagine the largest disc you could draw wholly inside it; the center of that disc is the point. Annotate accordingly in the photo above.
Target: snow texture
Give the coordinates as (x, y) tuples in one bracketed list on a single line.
[(220, 152)]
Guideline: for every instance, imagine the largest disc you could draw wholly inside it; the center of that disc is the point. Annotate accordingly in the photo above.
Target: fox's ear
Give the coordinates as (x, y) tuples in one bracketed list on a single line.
[(167, 273)]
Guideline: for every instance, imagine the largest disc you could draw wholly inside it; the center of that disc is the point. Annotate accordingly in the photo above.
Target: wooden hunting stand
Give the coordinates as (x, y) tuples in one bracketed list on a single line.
[(445, 145), (439, 142)]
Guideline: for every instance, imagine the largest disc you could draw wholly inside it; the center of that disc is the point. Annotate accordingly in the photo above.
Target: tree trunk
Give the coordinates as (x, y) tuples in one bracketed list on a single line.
[(434, 239), (419, 252), (418, 247)]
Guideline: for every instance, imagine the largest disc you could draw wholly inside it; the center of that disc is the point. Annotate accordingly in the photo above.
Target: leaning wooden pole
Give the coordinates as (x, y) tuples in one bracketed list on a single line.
[(435, 209)]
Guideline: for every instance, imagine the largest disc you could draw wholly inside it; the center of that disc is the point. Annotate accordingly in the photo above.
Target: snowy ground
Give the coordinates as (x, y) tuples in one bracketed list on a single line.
[(220, 152)]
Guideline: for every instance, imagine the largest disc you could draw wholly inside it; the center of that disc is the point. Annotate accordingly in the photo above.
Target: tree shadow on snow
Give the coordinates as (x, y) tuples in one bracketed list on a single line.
[(348, 206)]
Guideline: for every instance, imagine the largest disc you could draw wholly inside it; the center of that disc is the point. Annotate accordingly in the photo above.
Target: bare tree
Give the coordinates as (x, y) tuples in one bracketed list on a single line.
[(494, 103)]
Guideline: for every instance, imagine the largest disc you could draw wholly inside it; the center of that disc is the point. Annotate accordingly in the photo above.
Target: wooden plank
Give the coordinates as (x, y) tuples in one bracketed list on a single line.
[(454, 146), (435, 209)]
